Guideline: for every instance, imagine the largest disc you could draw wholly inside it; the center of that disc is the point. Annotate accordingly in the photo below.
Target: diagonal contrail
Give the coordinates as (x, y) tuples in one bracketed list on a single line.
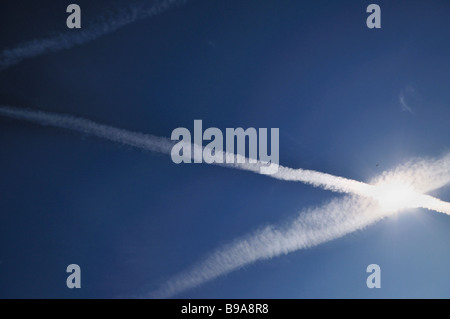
[(107, 23), (164, 145), (312, 227)]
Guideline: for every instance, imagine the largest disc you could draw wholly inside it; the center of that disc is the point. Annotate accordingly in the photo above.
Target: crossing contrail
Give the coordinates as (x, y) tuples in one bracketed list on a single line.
[(365, 203), (105, 24), (164, 145), (317, 225), (402, 188)]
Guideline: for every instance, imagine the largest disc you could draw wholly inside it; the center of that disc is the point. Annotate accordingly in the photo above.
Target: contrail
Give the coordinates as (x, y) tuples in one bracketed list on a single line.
[(107, 23), (401, 188), (312, 227), (426, 174), (315, 226), (164, 145)]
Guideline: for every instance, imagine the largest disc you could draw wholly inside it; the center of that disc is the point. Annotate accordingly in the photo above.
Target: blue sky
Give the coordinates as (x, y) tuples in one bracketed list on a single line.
[(132, 219)]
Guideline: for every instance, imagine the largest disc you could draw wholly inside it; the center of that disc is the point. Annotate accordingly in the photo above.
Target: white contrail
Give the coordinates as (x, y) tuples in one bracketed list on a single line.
[(107, 23), (339, 217), (317, 225), (426, 174), (312, 227), (142, 141), (164, 145)]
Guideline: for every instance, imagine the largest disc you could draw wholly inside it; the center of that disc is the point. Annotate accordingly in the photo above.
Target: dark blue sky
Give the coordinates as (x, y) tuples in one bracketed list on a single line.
[(132, 219)]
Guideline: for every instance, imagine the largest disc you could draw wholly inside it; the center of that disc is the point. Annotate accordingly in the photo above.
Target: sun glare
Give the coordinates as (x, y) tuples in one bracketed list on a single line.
[(395, 195)]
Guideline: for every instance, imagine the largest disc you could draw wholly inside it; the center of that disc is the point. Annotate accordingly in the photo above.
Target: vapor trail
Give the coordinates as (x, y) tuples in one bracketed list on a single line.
[(107, 23), (315, 226), (312, 227), (164, 145)]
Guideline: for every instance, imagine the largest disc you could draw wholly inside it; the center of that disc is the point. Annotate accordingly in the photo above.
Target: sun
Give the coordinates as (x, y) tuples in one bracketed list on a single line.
[(395, 195)]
